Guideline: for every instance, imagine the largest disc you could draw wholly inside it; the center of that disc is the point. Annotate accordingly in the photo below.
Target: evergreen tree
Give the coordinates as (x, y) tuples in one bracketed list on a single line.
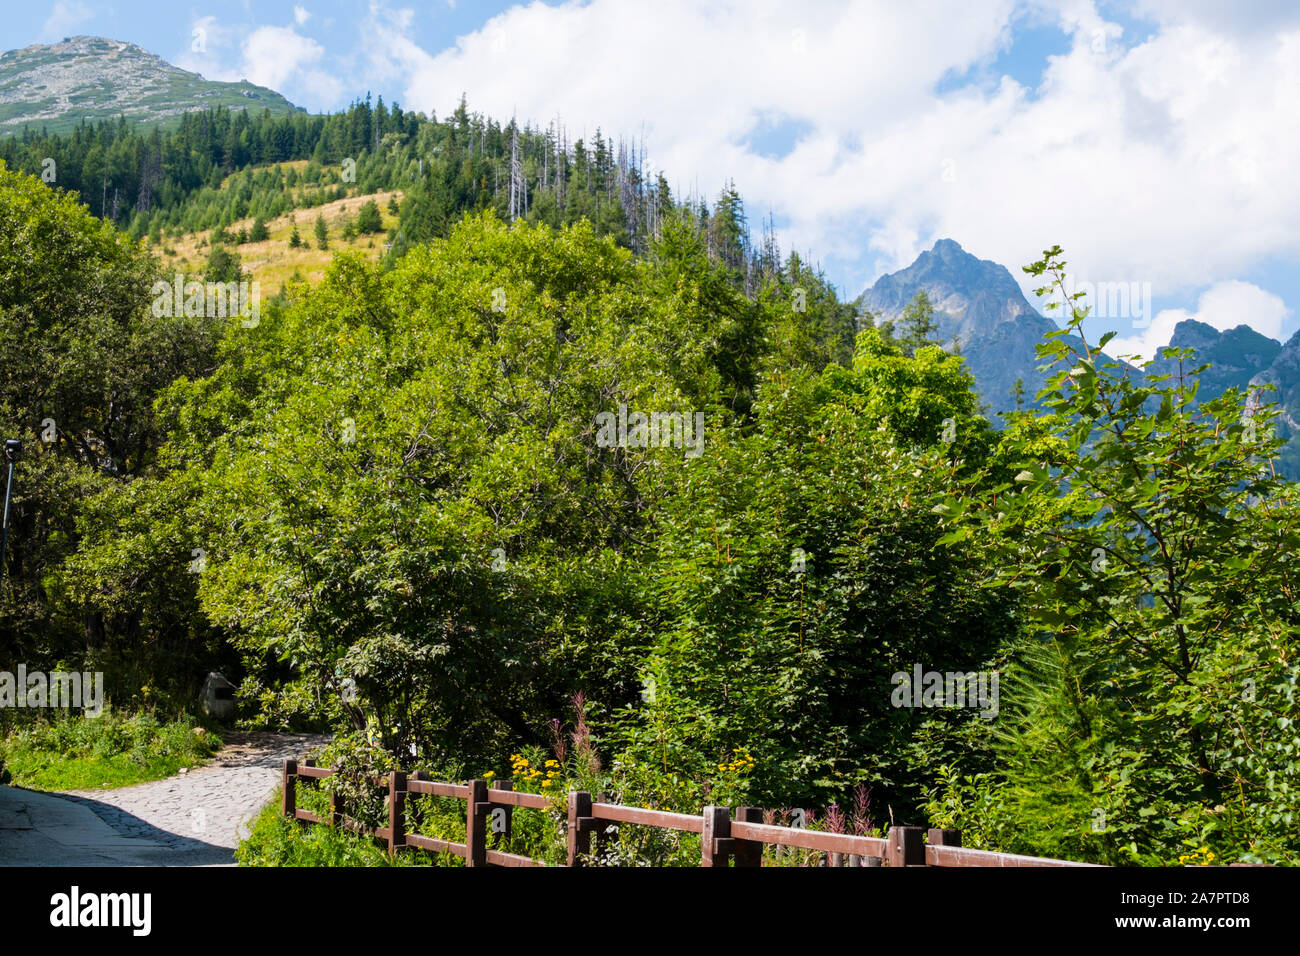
[(223, 265), (917, 324), (369, 219), (1018, 393)]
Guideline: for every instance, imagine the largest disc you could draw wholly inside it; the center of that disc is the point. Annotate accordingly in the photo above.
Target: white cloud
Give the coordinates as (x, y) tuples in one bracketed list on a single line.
[(64, 18), (210, 41), (1225, 305), (277, 57), (1169, 162), (272, 55), (301, 15)]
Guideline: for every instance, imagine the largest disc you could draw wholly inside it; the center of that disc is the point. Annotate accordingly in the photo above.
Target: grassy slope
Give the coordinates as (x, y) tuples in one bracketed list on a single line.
[(271, 262)]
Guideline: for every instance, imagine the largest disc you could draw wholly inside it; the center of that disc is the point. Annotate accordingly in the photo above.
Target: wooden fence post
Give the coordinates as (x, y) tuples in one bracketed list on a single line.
[(906, 846), (715, 842), (580, 826), (288, 799), (502, 837), (396, 811), (939, 837), (476, 813), (748, 852)]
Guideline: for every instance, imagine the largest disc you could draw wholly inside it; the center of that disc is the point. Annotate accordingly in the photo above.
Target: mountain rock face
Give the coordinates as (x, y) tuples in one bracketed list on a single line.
[(979, 307), (1284, 374), (1237, 356), (58, 85), (1242, 358)]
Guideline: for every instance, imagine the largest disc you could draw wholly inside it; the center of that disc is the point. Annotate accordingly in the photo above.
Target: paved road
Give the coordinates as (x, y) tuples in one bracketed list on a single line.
[(192, 819)]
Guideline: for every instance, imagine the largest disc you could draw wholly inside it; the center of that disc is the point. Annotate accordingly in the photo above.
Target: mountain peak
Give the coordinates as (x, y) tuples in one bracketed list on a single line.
[(1236, 356), (972, 294), (979, 306), (1193, 334), (58, 85)]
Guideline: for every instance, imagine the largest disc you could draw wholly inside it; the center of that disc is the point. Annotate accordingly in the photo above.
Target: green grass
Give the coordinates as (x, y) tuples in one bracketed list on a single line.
[(84, 753), (276, 841)]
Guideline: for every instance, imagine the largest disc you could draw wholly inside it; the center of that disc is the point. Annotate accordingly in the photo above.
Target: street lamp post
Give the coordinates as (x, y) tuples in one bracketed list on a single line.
[(13, 450)]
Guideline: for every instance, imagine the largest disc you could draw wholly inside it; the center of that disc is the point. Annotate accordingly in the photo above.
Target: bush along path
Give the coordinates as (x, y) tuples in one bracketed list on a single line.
[(195, 818)]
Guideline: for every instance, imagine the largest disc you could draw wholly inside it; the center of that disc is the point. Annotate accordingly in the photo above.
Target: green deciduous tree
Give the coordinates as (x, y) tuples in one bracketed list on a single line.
[(797, 571), (84, 359), (1151, 542)]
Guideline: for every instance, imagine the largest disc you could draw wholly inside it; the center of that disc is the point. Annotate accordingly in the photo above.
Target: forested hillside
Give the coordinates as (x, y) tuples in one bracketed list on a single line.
[(579, 470), (168, 183)]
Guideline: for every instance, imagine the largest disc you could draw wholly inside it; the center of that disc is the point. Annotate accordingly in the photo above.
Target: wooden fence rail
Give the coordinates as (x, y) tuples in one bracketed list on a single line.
[(726, 839)]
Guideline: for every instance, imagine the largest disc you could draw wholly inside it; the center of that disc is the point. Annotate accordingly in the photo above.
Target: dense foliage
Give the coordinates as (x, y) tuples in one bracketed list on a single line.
[(83, 360), (1154, 691), (422, 504)]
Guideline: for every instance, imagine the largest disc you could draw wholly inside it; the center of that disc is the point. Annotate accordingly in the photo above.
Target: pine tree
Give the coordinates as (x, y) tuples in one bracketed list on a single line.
[(369, 219), (295, 240), (322, 233), (223, 265), (917, 324)]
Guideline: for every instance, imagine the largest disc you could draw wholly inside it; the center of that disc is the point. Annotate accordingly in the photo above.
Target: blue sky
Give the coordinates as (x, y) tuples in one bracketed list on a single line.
[(1154, 139)]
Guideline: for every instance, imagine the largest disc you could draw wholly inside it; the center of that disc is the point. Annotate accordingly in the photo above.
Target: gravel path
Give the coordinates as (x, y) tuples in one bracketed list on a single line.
[(192, 819)]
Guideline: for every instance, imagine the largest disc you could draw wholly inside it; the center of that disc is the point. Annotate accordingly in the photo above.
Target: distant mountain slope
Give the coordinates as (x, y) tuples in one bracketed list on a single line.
[(1284, 374), (58, 85), (1242, 357), (979, 306), (1236, 356)]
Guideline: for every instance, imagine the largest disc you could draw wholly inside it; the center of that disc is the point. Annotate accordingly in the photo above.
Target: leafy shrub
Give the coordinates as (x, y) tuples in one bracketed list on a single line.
[(75, 752)]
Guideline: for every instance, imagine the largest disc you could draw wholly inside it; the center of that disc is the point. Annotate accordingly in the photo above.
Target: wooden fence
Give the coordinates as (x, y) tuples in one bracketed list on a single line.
[(726, 838)]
